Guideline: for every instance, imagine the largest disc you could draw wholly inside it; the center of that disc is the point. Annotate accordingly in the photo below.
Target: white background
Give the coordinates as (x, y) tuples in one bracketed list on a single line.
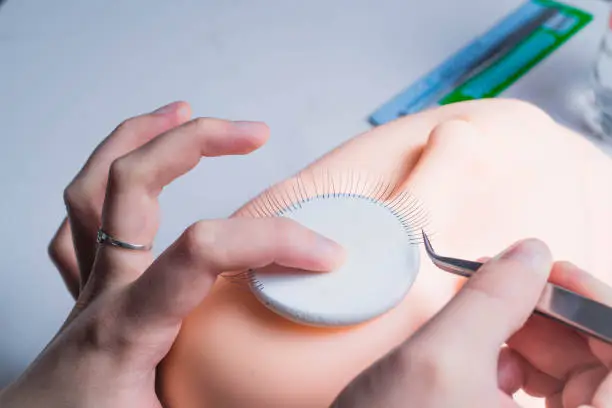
[(70, 70)]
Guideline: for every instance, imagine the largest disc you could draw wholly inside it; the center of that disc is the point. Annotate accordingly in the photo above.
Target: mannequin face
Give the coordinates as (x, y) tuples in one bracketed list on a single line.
[(488, 172)]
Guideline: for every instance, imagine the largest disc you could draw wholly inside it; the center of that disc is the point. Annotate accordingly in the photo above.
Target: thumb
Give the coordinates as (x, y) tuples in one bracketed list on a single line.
[(496, 301)]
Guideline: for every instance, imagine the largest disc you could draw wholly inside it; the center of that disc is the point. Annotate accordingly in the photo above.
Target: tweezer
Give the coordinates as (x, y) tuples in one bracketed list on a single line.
[(578, 312)]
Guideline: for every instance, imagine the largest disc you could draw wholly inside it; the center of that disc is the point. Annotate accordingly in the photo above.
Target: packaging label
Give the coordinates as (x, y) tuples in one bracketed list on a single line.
[(492, 62)]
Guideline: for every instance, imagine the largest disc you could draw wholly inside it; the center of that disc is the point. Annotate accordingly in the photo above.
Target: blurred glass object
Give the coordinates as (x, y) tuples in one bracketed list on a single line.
[(601, 117)]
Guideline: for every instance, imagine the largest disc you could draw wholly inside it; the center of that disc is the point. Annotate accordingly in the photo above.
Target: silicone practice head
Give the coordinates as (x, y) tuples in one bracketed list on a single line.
[(488, 173)]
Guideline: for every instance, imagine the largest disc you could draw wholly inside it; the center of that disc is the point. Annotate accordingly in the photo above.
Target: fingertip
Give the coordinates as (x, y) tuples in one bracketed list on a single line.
[(248, 136), (183, 111), (334, 254), (175, 113), (173, 108), (323, 254), (527, 261), (603, 351), (576, 279), (252, 126), (510, 376), (566, 274), (532, 253), (179, 113), (259, 131)]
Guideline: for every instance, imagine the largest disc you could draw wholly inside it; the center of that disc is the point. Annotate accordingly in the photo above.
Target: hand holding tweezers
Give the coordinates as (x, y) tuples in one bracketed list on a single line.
[(580, 313)]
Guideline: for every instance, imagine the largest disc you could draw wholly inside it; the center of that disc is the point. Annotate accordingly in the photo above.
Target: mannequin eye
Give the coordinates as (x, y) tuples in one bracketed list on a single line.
[(378, 224)]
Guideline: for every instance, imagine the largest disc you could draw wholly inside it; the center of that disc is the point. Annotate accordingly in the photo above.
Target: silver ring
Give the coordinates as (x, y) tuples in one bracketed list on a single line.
[(104, 238)]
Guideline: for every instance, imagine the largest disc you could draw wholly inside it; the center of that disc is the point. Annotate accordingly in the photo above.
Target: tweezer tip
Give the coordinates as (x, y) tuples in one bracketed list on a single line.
[(427, 243)]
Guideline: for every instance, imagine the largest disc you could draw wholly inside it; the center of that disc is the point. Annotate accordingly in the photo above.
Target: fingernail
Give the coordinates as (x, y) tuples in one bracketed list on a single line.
[(171, 107), (531, 252), (327, 247), (246, 124)]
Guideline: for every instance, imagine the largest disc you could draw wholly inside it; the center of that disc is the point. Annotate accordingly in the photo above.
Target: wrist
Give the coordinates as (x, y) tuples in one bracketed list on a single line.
[(10, 397), (30, 391), (49, 382)]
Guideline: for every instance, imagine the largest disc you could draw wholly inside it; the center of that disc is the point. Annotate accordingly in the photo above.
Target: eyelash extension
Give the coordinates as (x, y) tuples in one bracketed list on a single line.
[(289, 196)]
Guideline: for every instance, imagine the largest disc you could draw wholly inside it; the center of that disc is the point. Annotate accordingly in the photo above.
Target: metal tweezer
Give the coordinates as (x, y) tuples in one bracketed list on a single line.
[(576, 311)]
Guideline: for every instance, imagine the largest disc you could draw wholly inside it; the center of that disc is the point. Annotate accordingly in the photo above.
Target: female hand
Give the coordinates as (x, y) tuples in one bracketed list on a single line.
[(457, 359), (554, 362), (129, 305)]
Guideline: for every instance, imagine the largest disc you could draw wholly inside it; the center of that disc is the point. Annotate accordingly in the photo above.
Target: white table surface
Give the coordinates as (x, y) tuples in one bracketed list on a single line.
[(70, 70)]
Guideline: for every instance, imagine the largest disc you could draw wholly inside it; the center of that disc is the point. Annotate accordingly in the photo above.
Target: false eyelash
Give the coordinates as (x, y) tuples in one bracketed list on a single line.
[(290, 195)]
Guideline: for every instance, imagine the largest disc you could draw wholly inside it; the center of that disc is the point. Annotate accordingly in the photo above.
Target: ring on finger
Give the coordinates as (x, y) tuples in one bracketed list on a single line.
[(106, 239)]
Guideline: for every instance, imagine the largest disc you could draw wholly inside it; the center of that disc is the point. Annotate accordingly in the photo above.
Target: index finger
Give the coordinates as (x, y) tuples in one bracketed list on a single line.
[(130, 212), (84, 196)]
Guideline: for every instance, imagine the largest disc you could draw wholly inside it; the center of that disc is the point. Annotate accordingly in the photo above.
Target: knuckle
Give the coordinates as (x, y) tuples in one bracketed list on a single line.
[(435, 364), (207, 125), (70, 195), (128, 126), (102, 332), (497, 299), (61, 247), (200, 241), (283, 228), (124, 172), (79, 199), (74, 194), (200, 124), (55, 250), (284, 232), (396, 363), (199, 236)]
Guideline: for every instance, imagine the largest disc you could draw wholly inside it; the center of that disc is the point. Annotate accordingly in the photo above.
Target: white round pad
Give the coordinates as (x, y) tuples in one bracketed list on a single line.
[(380, 267)]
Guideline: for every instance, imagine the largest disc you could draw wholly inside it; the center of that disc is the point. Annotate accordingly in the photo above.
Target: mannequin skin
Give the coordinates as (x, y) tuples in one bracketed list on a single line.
[(488, 172)]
